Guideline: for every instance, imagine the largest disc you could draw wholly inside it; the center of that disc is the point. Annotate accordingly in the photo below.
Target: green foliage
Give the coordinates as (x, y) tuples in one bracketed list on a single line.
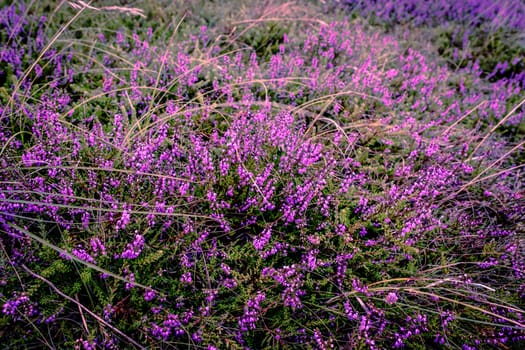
[(487, 48), (264, 39)]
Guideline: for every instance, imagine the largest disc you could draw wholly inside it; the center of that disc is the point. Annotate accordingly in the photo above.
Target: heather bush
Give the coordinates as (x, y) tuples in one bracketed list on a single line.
[(480, 41), (475, 13), (330, 189)]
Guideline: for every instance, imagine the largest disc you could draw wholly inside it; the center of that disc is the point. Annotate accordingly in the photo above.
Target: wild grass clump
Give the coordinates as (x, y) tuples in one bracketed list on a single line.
[(335, 191)]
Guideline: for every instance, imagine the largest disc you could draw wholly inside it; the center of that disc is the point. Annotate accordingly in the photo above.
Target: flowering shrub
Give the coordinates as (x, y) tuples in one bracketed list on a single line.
[(479, 36), (504, 13), (327, 194)]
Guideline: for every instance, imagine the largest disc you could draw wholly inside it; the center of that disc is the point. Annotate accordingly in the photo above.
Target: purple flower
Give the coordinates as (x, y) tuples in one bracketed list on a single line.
[(133, 249), (18, 306), (391, 298), (108, 312), (260, 241), (124, 220), (149, 295), (97, 246), (186, 278), (83, 255), (251, 312)]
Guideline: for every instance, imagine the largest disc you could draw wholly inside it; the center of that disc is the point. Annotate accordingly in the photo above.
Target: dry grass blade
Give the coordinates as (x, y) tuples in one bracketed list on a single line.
[(28, 71), (73, 257), (447, 130), (79, 4), (112, 170), (106, 210), (520, 325), (488, 168), (503, 120), (82, 307), (277, 19)]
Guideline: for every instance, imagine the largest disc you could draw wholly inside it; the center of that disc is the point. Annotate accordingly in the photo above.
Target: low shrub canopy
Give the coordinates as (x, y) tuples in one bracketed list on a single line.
[(334, 189)]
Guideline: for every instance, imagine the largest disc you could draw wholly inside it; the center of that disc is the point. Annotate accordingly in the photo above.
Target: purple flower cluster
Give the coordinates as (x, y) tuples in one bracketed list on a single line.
[(20, 306), (506, 13), (134, 248), (172, 325), (83, 255), (291, 279), (251, 313)]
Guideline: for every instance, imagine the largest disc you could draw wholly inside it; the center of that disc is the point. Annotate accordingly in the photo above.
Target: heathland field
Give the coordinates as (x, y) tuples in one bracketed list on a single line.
[(262, 174)]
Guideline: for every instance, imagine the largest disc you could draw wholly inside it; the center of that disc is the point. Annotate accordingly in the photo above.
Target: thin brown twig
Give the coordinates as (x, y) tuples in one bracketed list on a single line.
[(82, 307), (128, 10), (464, 116), (84, 323), (504, 119), (276, 19), (500, 159), (73, 257), (28, 71)]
